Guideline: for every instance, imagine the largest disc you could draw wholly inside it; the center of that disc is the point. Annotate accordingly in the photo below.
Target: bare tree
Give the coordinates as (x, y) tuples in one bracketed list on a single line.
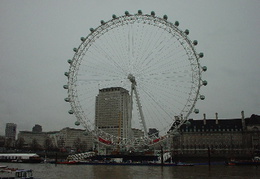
[(35, 145), (80, 145), (48, 145), (61, 144), (20, 143), (8, 143)]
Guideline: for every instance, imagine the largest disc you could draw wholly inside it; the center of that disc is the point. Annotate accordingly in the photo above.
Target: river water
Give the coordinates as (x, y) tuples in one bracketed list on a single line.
[(50, 171)]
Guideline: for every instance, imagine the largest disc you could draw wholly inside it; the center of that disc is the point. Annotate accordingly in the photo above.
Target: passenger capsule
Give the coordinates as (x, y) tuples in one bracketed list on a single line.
[(75, 49), (102, 22), (126, 13), (202, 97), (204, 83), (165, 17), (69, 61), (176, 23), (65, 86), (114, 16), (187, 123), (85, 133), (77, 123), (91, 30), (82, 39), (140, 12), (153, 13), (204, 68), (195, 42), (70, 111), (67, 99), (187, 32), (66, 73), (201, 55), (196, 111), (176, 133)]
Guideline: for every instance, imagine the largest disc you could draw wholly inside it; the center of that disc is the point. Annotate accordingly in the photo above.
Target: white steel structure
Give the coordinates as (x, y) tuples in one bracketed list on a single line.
[(148, 56)]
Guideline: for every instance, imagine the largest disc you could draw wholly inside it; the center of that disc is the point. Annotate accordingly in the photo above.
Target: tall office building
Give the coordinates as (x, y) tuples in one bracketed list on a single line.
[(10, 130), (113, 111)]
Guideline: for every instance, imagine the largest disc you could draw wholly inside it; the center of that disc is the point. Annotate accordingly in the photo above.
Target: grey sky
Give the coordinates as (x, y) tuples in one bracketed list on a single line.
[(37, 38)]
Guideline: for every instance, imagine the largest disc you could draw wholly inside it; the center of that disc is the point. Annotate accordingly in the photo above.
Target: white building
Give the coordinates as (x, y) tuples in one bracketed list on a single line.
[(67, 138), (73, 138), (113, 111)]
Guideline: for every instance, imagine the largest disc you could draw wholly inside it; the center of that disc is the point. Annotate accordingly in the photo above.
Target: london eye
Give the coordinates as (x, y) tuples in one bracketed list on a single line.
[(151, 58)]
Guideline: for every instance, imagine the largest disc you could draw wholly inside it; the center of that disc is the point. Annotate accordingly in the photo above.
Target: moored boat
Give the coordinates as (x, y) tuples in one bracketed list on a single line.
[(24, 174), (124, 163), (242, 162), (67, 162), (6, 169), (21, 174), (254, 161), (184, 164), (20, 157)]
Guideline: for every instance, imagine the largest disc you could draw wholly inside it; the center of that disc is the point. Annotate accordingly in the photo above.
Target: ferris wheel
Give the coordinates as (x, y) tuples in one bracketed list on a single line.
[(153, 60)]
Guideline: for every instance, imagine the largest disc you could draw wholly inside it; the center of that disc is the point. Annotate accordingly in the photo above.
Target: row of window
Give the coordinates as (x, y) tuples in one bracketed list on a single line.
[(209, 130), (204, 146), (10, 157), (108, 127)]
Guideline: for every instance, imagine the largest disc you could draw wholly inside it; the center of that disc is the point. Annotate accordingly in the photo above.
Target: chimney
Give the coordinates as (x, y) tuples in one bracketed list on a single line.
[(243, 120), (216, 118), (204, 119)]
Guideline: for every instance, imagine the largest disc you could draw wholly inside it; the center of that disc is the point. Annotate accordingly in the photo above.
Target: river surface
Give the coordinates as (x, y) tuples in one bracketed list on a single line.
[(50, 171)]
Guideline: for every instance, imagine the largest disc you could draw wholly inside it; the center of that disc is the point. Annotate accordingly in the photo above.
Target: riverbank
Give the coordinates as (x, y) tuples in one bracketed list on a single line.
[(50, 171)]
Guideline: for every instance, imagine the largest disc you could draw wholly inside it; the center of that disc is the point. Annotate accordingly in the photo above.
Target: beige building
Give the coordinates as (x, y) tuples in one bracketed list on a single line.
[(223, 137), (113, 111), (32, 138), (74, 138), (65, 139)]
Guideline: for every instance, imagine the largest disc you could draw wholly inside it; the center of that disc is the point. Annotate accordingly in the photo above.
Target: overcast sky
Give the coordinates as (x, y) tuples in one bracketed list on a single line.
[(37, 38)]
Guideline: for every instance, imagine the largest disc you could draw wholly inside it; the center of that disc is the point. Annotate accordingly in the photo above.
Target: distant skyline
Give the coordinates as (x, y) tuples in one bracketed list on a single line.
[(37, 38)]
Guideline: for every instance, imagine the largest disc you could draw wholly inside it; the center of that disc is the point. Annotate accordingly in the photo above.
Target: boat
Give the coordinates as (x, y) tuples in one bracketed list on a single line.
[(124, 163), (184, 164), (242, 162), (21, 174), (90, 158), (67, 162), (254, 161), (24, 174), (20, 157), (6, 169)]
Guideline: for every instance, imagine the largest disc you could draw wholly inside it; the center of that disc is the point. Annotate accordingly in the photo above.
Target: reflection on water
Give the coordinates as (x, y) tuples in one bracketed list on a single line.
[(51, 171)]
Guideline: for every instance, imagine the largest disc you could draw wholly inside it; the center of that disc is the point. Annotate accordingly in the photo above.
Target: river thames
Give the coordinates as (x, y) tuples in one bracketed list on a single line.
[(50, 171)]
